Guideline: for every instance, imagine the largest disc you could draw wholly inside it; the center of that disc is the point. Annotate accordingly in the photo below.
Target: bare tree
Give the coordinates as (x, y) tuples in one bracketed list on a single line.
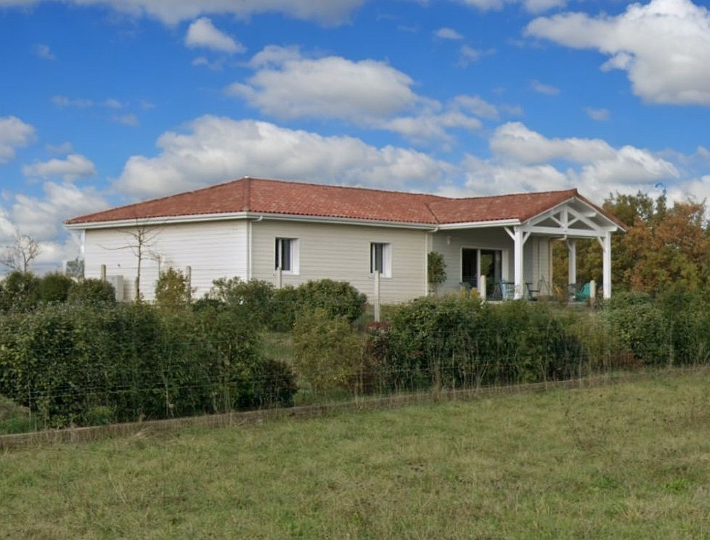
[(20, 254), (141, 240)]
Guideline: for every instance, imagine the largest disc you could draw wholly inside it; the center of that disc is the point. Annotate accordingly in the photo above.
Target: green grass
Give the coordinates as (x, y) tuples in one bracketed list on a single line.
[(14, 418), (625, 461)]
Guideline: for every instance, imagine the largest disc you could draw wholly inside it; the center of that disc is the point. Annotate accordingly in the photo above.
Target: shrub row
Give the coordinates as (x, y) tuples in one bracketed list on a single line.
[(278, 309), (88, 364), (23, 291)]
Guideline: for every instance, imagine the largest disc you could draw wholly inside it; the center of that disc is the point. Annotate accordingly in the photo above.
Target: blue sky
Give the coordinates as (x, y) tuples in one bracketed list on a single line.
[(105, 102)]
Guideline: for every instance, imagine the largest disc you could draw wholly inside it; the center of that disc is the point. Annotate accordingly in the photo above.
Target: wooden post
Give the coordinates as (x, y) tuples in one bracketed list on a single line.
[(377, 296), (482, 287), (103, 272), (279, 278), (592, 292), (188, 278)]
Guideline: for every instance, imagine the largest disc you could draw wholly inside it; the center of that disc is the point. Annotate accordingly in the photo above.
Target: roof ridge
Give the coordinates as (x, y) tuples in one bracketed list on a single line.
[(503, 195)]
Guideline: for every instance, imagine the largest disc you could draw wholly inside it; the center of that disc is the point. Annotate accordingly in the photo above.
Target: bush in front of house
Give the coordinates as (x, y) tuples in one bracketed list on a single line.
[(92, 292), (78, 364), (337, 298), (455, 342), (328, 353)]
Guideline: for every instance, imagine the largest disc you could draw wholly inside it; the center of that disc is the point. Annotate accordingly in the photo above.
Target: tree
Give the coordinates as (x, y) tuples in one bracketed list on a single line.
[(436, 269), (173, 289), (663, 248), (20, 254), (141, 239)]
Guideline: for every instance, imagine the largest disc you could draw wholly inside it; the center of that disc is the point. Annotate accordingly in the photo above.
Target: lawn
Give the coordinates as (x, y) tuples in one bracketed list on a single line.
[(624, 461)]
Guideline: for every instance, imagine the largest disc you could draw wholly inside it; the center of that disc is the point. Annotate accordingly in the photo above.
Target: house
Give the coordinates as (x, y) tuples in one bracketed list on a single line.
[(291, 232)]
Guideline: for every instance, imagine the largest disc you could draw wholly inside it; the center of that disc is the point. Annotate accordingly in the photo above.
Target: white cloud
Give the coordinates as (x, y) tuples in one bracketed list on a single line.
[(326, 12), (112, 103), (42, 217), (664, 46), (215, 65), (126, 119), (448, 33), (73, 167), (64, 148), (368, 93), (597, 114), (532, 6), (202, 33), (331, 87), (63, 101), (44, 52), (14, 133), (215, 148), (477, 105), (546, 89), (525, 160)]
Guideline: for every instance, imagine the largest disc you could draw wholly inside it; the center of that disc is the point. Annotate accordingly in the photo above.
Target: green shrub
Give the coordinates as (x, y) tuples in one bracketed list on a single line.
[(459, 341), (83, 364), (328, 354), (284, 307), (19, 291), (254, 295), (337, 298), (173, 290), (54, 288), (641, 327), (92, 292)]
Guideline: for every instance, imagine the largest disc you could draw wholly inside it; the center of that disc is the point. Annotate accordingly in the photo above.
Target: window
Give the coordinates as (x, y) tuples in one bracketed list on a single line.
[(286, 255), (381, 259)]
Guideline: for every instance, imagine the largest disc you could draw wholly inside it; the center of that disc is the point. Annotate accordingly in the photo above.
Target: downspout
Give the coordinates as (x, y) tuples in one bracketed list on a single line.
[(249, 245)]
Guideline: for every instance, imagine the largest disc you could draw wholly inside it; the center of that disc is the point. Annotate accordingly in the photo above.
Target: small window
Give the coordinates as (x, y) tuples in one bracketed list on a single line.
[(286, 255), (381, 259)]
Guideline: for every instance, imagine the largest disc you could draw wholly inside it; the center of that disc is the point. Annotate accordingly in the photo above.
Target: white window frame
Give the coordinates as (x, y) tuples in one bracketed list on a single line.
[(386, 270), (294, 255)]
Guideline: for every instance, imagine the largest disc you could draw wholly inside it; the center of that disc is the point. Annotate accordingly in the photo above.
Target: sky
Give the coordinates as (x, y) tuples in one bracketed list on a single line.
[(108, 102)]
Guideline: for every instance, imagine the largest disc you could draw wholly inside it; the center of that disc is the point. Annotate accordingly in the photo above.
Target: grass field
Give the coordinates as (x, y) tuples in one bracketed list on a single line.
[(624, 461)]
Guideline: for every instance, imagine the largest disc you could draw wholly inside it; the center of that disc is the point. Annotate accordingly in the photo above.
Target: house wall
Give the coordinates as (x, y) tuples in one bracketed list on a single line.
[(342, 253), (213, 250)]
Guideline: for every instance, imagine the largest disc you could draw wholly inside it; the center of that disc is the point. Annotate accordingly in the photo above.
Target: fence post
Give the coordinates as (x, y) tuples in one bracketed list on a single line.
[(377, 296), (592, 292), (188, 278), (482, 287), (103, 272), (279, 278)]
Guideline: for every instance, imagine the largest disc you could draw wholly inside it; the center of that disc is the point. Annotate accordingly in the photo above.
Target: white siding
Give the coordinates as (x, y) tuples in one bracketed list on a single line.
[(212, 250), (342, 253)]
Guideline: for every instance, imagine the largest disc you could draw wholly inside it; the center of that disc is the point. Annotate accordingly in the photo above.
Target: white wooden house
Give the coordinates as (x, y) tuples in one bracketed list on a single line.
[(291, 232)]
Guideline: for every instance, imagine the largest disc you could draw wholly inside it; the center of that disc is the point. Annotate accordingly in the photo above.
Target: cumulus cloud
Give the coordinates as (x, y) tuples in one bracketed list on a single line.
[(448, 33), (597, 114), (126, 119), (663, 46), (326, 12), (202, 33), (14, 133), (74, 166), (64, 101), (532, 6), (42, 217), (542, 88), (44, 52), (216, 148), (525, 160), (368, 93)]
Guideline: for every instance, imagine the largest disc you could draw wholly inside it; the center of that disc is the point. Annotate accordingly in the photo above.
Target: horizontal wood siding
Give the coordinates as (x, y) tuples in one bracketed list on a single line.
[(342, 253), (212, 250)]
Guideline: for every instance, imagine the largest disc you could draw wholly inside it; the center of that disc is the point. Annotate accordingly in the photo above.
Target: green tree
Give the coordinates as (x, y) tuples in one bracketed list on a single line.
[(173, 290)]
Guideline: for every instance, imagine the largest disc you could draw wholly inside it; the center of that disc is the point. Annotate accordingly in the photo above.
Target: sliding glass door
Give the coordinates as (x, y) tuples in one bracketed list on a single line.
[(481, 262)]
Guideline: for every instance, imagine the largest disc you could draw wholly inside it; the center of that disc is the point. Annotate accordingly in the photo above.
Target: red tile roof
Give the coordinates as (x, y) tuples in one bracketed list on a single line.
[(300, 199)]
